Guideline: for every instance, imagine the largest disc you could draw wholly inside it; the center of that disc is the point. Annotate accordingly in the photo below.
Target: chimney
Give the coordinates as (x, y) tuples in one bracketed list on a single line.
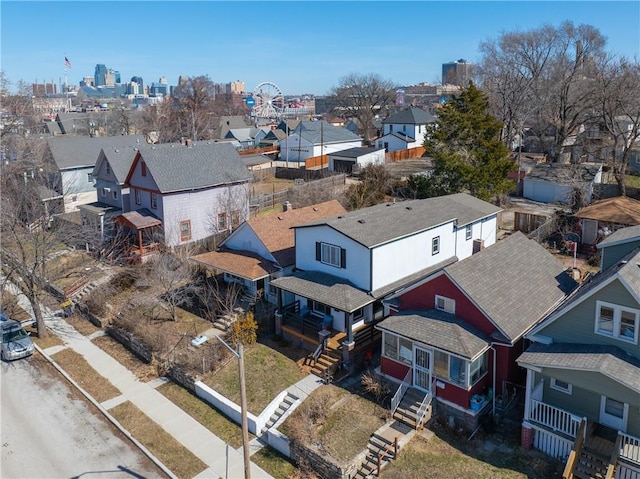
[(286, 206), (478, 245), (188, 142), (182, 141)]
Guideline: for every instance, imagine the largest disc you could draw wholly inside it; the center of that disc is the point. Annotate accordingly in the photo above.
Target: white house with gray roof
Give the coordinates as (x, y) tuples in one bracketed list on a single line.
[(346, 265), (405, 129), (195, 190), (316, 138), (583, 367), (75, 158)]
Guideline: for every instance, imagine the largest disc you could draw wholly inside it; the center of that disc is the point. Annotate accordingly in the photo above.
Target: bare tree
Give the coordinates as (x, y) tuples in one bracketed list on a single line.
[(193, 106), (543, 78), (364, 96), (175, 278), (619, 107), (230, 210)]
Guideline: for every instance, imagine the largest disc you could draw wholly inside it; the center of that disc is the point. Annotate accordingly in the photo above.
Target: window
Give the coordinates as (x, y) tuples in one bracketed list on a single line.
[(450, 368), (222, 221), (467, 232), (561, 386), (138, 197), (235, 218), (358, 313), (617, 321), (445, 304), (390, 346), (319, 308), (107, 168), (185, 230), (89, 177), (154, 201), (103, 192), (435, 245), (478, 369), (406, 351), (114, 194), (143, 169), (332, 255)]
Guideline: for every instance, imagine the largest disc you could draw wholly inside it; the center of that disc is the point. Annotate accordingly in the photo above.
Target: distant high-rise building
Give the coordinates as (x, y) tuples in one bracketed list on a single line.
[(235, 87), (41, 90), (88, 81), (110, 78), (182, 80), (140, 83), (457, 73), (116, 73), (100, 75), (163, 81)]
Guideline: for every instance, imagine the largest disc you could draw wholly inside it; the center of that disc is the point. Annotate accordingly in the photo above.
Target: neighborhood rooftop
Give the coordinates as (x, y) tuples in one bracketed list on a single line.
[(565, 174), (79, 151), (201, 165), (317, 132), (410, 116), (515, 282), (386, 222)]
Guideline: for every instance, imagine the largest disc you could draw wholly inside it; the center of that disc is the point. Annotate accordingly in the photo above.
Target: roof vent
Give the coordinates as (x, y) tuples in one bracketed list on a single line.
[(315, 209), (361, 222), (409, 207), (280, 218), (117, 151)]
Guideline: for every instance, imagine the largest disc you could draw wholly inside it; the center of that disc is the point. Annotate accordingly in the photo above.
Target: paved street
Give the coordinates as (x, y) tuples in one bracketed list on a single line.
[(48, 431)]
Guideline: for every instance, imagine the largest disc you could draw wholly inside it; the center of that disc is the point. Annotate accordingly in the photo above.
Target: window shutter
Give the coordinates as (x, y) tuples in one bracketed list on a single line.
[(318, 254), (343, 258)]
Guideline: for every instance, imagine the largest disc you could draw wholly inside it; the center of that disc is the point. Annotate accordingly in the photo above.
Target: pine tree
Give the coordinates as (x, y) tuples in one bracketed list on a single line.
[(466, 149)]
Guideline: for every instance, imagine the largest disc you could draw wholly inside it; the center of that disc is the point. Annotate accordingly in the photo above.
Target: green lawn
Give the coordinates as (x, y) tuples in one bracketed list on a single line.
[(274, 463), (267, 373)]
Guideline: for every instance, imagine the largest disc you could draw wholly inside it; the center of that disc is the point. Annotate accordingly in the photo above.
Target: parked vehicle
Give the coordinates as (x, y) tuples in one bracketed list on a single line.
[(16, 343)]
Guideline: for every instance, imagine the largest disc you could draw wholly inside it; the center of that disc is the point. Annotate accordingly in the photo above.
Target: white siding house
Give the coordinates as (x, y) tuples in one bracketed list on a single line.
[(559, 183), (316, 138), (405, 129), (195, 190)]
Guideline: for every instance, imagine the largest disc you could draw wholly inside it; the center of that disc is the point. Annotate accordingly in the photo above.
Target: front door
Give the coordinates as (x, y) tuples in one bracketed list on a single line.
[(613, 413), (421, 368)]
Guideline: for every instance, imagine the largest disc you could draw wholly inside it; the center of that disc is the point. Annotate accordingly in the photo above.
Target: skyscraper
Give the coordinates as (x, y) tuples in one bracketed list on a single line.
[(100, 76), (457, 73)]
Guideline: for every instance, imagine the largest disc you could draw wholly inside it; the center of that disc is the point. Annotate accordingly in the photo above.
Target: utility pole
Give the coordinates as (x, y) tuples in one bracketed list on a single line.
[(243, 405)]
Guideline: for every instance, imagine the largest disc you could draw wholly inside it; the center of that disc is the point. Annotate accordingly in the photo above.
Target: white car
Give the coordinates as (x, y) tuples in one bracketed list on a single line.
[(16, 343), (198, 340)]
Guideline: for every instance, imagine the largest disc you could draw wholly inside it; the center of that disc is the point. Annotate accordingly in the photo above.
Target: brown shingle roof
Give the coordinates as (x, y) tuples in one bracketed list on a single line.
[(620, 210), (240, 263), (275, 231)]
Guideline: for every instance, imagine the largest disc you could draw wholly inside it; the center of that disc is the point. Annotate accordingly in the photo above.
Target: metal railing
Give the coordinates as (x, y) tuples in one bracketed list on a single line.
[(554, 418), (422, 410), (630, 447), (397, 397)]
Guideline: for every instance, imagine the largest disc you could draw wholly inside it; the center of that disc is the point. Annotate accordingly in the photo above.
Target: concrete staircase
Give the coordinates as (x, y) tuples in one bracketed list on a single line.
[(287, 402), (383, 447), (77, 296), (407, 411)]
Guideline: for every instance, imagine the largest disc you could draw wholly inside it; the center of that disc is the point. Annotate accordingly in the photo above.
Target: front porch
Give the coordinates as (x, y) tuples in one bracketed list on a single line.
[(581, 442)]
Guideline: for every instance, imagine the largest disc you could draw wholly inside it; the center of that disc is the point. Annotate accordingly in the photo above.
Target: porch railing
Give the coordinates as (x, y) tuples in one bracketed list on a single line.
[(629, 448), (554, 418), (397, 397), (422, 410)]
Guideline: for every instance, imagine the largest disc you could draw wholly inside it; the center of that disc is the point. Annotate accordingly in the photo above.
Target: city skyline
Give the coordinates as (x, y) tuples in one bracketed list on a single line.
[(303, 47)]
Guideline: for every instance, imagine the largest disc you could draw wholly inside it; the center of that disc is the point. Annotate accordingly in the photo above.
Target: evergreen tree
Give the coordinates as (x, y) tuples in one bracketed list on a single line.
[(465, 146)]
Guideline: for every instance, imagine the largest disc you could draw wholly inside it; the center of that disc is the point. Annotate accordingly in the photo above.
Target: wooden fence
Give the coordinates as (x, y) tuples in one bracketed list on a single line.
[(408, 154), (321, 162)]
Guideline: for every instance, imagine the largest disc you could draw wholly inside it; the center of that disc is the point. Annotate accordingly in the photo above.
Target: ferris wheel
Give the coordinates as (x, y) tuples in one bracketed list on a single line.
[(269, 101)]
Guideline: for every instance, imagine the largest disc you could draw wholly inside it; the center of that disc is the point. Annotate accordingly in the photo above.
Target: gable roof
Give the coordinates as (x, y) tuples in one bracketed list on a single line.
[(620, 209), (621, 236), (627, 269), (70, 152), (515, 282), (276, 233), (609, 361), (179, 167), (120, 160), (317, 132), (401, 135), (564, 174), (410, 116), (379, 224), (441, 330), (240, 263)]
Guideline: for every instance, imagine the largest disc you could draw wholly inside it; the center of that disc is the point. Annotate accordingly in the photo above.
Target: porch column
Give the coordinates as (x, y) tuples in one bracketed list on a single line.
[(349, 327), (140, 243), (527, 433), (278, 314)]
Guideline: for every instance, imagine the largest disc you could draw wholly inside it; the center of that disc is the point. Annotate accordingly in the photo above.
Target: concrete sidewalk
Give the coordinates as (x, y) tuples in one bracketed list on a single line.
[(222, 460)]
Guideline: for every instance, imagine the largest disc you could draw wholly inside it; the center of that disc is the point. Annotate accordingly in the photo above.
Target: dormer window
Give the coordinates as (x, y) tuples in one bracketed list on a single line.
[(143, 169), (107, 168)]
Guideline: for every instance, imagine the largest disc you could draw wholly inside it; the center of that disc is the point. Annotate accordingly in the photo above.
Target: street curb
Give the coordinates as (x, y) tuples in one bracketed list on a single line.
[(112, 419)]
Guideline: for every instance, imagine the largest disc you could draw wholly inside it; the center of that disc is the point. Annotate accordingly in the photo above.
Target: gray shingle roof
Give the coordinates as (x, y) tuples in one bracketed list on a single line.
[(386, 222), (82, 151), (411, 116), (515, 282), (354, 152), (317, 132), (564, 174), (325, 288), (623, 235), (610, 361), (441, 330), (120, 159), (178, 167)]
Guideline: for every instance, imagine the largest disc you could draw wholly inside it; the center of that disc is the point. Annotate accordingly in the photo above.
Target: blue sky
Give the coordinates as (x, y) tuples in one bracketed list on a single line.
[(302, 46)]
